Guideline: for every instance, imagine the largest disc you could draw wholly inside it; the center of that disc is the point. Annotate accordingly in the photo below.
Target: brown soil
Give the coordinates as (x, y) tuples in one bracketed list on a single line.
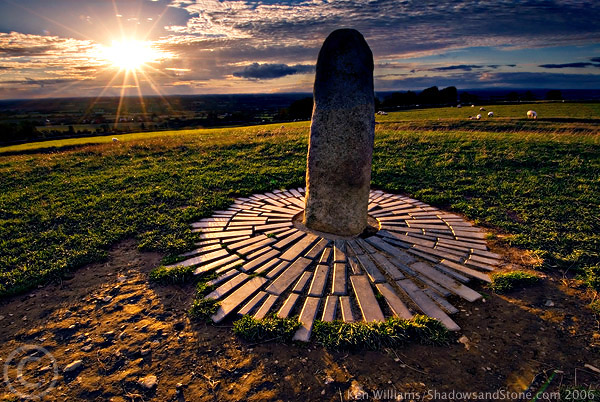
[(124, 329)]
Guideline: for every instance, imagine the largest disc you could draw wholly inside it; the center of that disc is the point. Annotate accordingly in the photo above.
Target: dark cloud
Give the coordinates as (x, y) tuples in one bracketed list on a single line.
[(269, 71), (494, 80), (595, 59), (461, 67), (569, 65), (17, 51), (42, 83)]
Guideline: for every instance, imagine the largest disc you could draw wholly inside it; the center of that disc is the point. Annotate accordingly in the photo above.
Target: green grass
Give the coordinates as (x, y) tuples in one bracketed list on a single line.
[(538, 183), (268, 329), (202, 308), (171, 275), (393, 332), (507, 281)]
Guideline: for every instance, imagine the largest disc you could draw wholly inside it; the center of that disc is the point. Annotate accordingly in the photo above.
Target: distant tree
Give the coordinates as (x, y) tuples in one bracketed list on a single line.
[(529, 96), (466, 97), (513, 96), (400, 99), (554, 94), (301, 109), (429, 96), (71, 130), (448, 95)]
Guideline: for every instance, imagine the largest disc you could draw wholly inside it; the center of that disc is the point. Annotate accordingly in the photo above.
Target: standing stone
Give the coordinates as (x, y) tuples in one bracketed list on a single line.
[(342, 132)]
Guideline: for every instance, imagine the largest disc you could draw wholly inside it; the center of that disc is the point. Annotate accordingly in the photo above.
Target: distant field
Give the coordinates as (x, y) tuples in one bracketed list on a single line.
[(536, 182)]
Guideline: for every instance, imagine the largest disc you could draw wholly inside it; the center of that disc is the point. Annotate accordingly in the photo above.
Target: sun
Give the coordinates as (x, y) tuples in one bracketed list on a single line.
[(131, 54)]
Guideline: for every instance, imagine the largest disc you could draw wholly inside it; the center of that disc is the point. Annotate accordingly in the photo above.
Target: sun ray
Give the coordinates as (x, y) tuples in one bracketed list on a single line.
[(139, 90), (126, 73)]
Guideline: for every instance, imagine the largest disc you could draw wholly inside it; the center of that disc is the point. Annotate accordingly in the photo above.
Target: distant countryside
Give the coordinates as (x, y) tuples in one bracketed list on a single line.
[(46, 119)]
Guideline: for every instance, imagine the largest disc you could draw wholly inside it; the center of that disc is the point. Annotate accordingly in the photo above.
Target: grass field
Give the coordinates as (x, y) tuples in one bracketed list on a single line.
[(64, 203)]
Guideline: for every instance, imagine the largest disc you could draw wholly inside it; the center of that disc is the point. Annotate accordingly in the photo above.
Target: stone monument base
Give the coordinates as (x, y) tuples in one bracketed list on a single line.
[(417, 257)]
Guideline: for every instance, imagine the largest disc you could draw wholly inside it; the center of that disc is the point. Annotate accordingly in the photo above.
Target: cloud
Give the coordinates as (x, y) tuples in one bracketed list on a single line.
[(570, 65), (269, 71), (462, 67), (595, 59)]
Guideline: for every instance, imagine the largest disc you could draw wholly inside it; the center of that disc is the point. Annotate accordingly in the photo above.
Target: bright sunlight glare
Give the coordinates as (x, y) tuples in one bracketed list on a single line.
[(131, 55)]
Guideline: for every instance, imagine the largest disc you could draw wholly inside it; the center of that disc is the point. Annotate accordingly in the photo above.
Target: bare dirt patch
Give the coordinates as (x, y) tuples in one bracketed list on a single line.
[(125, 330)]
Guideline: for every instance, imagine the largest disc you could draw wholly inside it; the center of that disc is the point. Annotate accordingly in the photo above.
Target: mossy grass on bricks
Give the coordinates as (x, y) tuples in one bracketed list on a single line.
[(391, 333)]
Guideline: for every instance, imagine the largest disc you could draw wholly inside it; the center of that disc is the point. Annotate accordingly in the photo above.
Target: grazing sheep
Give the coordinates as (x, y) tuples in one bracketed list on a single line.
[(531, 114), (472, 105), (482, 109), (382, 113), (115, 140), (478, 117), (459, 105), (491, 114)]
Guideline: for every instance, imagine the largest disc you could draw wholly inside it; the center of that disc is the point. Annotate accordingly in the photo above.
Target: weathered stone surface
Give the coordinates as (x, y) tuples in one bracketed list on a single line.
[(341, 137)]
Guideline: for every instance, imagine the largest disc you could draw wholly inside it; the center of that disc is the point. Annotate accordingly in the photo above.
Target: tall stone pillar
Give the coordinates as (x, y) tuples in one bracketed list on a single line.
[(342, 133)]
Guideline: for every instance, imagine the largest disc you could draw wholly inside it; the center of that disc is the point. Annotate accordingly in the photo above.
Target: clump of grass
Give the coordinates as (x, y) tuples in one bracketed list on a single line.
[(505, 282), (171, 275), (591, 276), (269, 328), (393, 332), (202, 308)]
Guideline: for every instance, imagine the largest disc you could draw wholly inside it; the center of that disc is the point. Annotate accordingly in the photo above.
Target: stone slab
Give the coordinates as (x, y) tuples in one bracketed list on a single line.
[(447, 282), (443, 303), (255, 263), (299, 248), (201, 259), (249, 306), (426, 305), (291, 273), (228, 233), (370, 268), (307, 318), (218, 263), (231, 302), (339, 251), (354, 266), (317, 249), (319, 280), (279, 267), (366, 298), (302, 282), (389, 268), (288, 305), (346, 308), (266, 307), (286, 241), (330, 309), (397, 306), (339, 285), (228, 286)]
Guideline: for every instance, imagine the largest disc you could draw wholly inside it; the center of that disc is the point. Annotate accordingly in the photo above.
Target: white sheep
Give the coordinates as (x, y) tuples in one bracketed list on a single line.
[(115, 140), (482, 109), (490, 114), (478, 117), (531, 114)]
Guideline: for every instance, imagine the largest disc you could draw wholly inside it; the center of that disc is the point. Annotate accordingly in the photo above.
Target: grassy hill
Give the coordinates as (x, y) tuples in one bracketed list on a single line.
[(537, 183)]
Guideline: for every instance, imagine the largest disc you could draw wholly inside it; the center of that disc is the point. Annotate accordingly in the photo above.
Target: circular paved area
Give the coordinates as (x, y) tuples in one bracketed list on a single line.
[(267, 262)]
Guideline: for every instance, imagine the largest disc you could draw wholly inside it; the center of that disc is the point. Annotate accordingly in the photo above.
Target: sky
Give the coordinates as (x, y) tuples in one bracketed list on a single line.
[(60, 48)]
